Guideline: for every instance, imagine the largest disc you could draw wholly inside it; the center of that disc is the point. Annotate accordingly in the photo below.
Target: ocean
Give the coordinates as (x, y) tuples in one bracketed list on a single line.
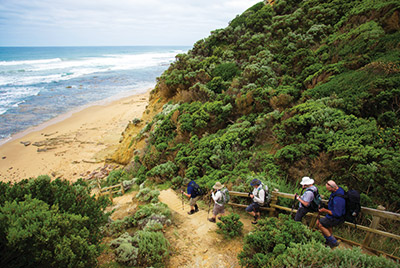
[(38, 84)]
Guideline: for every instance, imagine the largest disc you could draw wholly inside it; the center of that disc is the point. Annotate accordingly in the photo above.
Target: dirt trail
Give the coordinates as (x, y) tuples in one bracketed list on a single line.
[(194, 239)]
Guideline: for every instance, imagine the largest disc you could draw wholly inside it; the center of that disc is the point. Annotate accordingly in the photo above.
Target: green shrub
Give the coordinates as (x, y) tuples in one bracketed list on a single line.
[(163, 171), (144, 249), (226, 71), (230, 226), (312, 254), (153, 248), (124, 250), (148, 195), (115, 177), (273, 236), (33, 234)]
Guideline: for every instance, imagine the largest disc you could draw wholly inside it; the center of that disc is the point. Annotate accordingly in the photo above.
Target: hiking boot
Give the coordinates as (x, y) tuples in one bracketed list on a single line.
[(191, 212), (219, 218), (211, 220), (333, 244), (196, 210), (254, 222)]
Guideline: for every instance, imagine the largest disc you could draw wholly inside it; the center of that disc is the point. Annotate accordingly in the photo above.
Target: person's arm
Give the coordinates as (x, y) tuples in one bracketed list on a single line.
[(216, 196), (304, 203), (189, 194), (260, 198), (306, 196)]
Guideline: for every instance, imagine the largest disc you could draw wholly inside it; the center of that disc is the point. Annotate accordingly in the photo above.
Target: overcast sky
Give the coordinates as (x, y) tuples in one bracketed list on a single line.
[(113, 22)]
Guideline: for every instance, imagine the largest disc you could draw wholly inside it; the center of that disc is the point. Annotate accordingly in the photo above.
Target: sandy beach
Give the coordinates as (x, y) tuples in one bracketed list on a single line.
[(73, 145)]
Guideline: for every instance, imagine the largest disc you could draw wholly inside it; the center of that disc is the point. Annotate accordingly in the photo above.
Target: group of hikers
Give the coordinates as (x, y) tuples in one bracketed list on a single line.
[(309, 201)]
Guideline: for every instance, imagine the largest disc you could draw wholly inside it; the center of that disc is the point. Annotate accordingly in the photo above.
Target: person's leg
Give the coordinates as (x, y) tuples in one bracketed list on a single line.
[(195, 206), (250, 209), (301, 212), (326, 227), (192, 202), (214, 213), (221, 212), (257, 213)]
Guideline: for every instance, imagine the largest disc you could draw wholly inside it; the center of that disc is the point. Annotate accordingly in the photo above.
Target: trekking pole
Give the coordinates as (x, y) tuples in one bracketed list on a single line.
[(183, 204), (294, 202), (209, 206)]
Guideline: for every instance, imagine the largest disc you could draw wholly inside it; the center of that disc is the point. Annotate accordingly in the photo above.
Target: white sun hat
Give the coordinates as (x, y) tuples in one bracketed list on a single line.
[(306, 181)]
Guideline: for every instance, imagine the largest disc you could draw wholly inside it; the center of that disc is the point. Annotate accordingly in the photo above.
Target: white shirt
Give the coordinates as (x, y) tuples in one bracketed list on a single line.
[(217, 197), (261, 195)]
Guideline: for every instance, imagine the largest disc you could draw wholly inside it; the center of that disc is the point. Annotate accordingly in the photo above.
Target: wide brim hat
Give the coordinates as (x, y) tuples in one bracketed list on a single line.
[(306, 181), (218, 186), (255, 182)]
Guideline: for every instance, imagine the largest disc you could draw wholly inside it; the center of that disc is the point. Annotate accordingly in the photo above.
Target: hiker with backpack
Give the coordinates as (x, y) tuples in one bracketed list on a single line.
[(309, 201), (334, 213), (258, 196), (220, 195), (194, 193)]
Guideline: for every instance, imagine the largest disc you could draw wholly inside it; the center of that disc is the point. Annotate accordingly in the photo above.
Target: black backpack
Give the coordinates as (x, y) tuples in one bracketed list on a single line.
[(316, 202), (353, 206), (197, 189)]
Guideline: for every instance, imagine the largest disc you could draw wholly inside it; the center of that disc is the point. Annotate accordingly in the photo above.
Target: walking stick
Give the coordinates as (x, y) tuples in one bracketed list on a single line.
[(183, 204), (294, 202), (209, 206)]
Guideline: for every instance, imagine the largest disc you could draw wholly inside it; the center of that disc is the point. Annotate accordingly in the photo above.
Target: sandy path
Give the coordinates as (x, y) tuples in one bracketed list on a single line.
[(194, 240)]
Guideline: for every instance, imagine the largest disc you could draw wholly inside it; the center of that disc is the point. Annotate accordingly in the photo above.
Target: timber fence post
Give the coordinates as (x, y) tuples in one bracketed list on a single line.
[(274, 201), (122, 188), (374, 225)]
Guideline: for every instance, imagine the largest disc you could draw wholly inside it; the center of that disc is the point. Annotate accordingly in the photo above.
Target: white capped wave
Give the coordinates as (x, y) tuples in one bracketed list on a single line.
[(13, 97), (54, 70), (28, 62)]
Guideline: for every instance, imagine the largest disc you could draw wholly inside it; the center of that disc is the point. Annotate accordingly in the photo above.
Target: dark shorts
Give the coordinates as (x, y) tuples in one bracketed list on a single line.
[(330, 222), (218, 209), (301, 212), (253, 207)]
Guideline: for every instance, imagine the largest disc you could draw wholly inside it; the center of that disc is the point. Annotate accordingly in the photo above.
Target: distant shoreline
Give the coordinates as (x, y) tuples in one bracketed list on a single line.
[(73, 144), (68, 114)]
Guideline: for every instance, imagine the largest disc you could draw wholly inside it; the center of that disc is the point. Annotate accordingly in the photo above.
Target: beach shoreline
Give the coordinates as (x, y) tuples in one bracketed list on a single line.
[(72, 145)]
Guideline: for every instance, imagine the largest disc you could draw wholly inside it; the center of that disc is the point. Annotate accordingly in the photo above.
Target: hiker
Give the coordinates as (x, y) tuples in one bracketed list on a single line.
[(306, 199), (193, 195), (335, 213), (258, 197), (219, 204)]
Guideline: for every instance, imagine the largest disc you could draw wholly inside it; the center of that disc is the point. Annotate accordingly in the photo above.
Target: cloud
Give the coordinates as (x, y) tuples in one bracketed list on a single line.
[(114, 22)]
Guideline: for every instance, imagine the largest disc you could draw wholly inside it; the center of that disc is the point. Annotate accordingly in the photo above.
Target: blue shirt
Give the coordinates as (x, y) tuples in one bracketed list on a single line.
[(337, 204), (308, 196), (190, 189)]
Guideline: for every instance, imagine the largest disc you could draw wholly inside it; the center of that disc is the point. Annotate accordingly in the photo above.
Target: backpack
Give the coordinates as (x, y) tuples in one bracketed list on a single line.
[(197, 190), (224, 196), (316, 202), (266, 196), (353, 206)]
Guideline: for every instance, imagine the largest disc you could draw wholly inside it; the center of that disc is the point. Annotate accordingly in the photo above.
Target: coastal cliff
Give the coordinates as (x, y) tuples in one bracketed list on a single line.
[(290, 89)]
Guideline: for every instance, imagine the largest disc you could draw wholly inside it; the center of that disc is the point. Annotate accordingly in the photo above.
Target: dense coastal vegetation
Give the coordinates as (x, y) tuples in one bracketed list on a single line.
[(296, 88), (286, 90)]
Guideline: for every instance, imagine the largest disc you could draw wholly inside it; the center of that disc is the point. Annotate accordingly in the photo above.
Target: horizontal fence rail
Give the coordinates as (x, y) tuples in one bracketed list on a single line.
[(377, 215), (110, 190)]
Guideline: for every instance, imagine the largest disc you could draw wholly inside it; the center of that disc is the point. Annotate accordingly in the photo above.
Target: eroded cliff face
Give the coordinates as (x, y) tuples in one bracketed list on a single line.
[(131, 144)]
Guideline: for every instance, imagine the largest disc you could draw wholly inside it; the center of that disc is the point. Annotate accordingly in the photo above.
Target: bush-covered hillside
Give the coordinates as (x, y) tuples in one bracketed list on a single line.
[(296, 88)]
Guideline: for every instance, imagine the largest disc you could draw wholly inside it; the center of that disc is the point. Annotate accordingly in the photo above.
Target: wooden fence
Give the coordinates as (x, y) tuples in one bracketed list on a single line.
[(110, 190), (377, 215)]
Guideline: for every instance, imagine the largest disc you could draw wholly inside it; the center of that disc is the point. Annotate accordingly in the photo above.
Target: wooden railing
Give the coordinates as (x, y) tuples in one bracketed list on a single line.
[(377, 215), (110, 190)]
